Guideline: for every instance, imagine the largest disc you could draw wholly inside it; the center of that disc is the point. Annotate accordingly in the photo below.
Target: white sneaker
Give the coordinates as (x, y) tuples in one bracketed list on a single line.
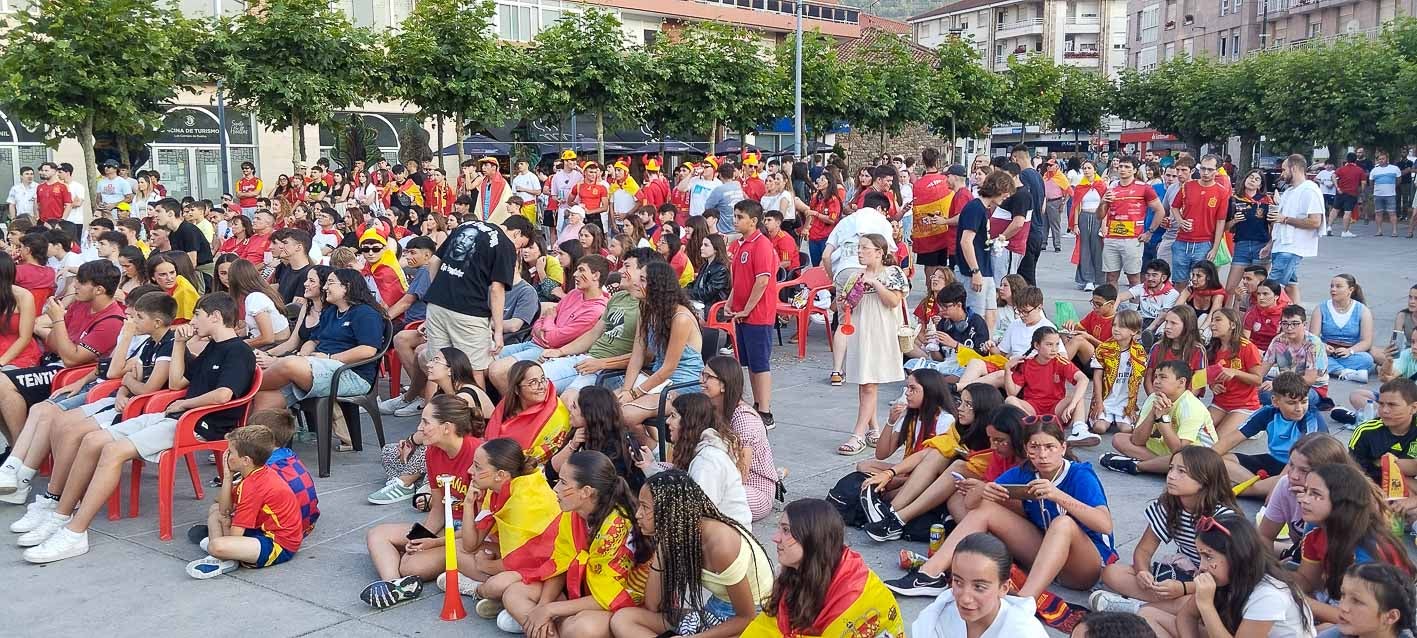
[(1081, 436), (210, 567), (52, 523), (466, 586), (1108, 601), (391, 405), (412, 408), (506, 623), (63, 544), (1089, 287), (35, 513), (9, 479), (203, 544), (20, 496), (1356, 376), (1348, 235)]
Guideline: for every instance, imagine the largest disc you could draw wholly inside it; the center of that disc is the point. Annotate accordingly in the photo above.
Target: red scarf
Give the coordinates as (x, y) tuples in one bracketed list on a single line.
[(1165, 288), (525, 426), (846, 586)]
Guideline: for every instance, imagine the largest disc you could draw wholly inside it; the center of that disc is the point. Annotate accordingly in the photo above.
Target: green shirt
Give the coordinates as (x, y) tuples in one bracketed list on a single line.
[(622, 317), (1189, 418)]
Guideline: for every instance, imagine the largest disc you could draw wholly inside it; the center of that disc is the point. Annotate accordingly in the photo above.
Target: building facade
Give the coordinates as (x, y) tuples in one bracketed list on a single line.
[(1083, 33)]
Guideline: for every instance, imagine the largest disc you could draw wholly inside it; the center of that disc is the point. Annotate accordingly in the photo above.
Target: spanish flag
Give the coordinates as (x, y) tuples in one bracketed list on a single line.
[(1393, 485), (540, 429), (517, 514), (603, 567), (858, 605)]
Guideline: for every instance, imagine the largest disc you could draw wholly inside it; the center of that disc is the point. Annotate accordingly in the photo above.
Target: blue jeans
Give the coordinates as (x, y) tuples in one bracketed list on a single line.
[(524, 351), (1356, 361), (562, 372), (815, 248), (1184, 256), (1284, 268)]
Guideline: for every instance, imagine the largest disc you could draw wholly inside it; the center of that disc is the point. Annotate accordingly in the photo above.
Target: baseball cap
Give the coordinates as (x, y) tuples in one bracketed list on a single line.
[(110, 163), (957, 170)]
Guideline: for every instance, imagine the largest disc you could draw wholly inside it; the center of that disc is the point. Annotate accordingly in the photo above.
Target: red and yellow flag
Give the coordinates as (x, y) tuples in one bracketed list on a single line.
[(603, 567), (521, 511), (540, 429), (858, 605), (1393, 485)]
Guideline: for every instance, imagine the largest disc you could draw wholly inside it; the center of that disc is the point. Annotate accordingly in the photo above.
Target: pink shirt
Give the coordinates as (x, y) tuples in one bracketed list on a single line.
[(574, 315)]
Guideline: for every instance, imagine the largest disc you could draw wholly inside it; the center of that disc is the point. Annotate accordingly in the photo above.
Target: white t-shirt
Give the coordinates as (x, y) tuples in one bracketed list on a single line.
[(112, 191), (23, 199), (1270, 601), (526, 180), (80, 194), (257, 303), (1115, 403), (847, 233), (1325, 178), (1385, 180), (1015, 619), (782, 203), (1019, 337), (699, 190), (1151, 306), (1299, 202)]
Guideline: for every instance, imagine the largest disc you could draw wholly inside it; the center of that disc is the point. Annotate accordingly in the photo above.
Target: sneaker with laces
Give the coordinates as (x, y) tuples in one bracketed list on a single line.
[(20, 496), (1108, 601), (1348, 234), (61, 545), (1082, 436), (210, 567), (413, 408), (889, 528), (383, 594), (506, 623), (35, 513), (1118, 463), (918, 583), (487, 608), (1343, 416), (873, 506), (392, 492), (466, 586), (1356, 376), (393, 404), (51, 523)]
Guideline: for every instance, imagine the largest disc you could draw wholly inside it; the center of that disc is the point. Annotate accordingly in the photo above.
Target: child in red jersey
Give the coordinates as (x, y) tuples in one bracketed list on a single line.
[(257, 521), (1039, 384)]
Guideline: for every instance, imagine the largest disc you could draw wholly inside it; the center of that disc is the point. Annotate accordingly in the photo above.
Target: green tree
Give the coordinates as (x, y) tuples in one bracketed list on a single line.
[(885, 89), (1033, 89), (478, 79), (825, 88), (296, 62), (584, 63), (1332, 94), (1083, 102), (708, 74), (61, 71), (1179, 97), (963, 95)]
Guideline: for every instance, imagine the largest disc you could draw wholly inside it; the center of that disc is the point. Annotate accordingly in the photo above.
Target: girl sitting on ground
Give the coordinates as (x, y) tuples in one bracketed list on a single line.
[(978, 602), (531, 413), (1008, 308), (723, 384), (1196, 486), (1377, 602), (1037, 383), (1206, 293), (1240, 590), (1118, 366), (596, 424), (1234, 373), (1281, 509), (1028, 302), (703, 447), (511, 506), (1180, 340)]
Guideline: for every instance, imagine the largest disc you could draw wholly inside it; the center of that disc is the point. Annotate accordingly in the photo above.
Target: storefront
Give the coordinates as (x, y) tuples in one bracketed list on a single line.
[(19, 147), (187, 151), (1139, 141)]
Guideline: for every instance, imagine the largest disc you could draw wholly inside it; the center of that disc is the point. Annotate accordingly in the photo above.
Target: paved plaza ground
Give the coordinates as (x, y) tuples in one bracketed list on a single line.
[(131, 583)]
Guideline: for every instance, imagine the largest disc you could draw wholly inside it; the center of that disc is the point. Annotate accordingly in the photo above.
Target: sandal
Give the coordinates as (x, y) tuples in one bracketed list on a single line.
[(873, 437), (853, 446), (837, 378)]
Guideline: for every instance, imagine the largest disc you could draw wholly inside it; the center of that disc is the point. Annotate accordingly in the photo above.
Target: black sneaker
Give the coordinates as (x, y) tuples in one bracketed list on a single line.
[(918, 583), (873, 506), (766, 417), (889, 528), (1119, 463), (1344, 416)]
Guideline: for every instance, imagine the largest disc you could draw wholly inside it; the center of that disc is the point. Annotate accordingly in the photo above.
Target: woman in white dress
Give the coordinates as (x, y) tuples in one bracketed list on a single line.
[(872, 353)]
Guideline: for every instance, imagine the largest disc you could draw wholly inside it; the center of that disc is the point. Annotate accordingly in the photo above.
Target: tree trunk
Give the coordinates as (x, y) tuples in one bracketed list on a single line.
[(712, 138), (1335, 154), (883, 140), (439, 125), (954, 141), (1247, 157), (123, 156), (86, 143), (600, 136), (458, 123), (297, 141)]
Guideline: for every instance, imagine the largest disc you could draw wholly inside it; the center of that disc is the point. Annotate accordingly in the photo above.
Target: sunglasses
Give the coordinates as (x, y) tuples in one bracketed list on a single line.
[(370, 249), (1208, 523), (1045, 418)]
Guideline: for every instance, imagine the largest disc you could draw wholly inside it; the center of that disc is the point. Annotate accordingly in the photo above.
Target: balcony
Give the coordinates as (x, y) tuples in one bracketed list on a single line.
[(1085, 59), (1027, 26), (1084, 24), (1300, 7)]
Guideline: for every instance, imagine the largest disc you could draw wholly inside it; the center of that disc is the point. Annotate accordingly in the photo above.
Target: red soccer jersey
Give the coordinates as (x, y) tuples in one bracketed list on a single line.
[(753, 256), (1349, 178), (1126, 214), (1045, 385), (264, 502), (654, 193), (786, 249), (1263, 326), (1204, 206), (591, 196), (753, 188), (251, 183), (933, 199), (1097, 325), (1237, 394), (820, 230), (52, 200), (439, 463)]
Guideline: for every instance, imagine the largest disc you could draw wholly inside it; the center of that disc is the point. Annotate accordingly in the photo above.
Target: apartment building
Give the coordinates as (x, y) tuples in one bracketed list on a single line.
[(1084, 33), (1286, 23), (187, 150)]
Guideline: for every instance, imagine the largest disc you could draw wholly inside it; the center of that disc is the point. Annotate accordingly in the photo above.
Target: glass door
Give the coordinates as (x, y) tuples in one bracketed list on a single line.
[(175, 166), (208, 176), (9, 176)]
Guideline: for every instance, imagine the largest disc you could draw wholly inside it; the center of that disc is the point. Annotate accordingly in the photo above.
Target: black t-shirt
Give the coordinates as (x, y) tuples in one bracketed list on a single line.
[(974, 217), (290, 282), (971, 331), (223, 364), (1371, 440), (151, 351), (188, 239), (1020, 204), (473, 256)]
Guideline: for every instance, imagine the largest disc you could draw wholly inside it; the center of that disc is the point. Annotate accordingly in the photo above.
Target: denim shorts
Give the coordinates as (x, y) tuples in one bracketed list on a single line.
[(1247, 252), (322, 372), (1385, 203), (1284, 268)]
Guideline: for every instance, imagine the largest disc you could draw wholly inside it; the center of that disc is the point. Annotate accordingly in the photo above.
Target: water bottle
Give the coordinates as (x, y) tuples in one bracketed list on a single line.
[(1370, 412)]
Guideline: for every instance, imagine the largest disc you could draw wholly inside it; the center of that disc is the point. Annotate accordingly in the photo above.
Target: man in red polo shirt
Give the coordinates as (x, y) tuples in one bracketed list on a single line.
[(1349, 178), (754, 308), (593, 194), (1122, 217), (1199, 209), (51, 198)]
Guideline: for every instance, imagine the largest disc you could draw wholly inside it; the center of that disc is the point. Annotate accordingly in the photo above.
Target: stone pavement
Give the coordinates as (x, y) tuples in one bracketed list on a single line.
[(131, 583)]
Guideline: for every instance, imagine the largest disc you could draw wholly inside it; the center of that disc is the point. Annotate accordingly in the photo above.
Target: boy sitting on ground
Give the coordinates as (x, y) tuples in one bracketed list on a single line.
[(1393, 432), (956, 326), (1291, 416), (1170, 420), (256, 521), (1152, 297), (288, 466), (1094, 328)]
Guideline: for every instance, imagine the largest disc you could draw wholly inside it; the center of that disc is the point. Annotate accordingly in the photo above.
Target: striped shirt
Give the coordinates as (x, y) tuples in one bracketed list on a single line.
[(1185, 539)]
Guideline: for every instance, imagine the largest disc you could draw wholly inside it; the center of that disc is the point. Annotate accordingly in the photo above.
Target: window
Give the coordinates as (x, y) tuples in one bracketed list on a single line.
[(926, 28), (514, 23), (1150, 23), (1224, 45), (964, 25), (1138, 29), (650, 36), (1170, 51), (1224, 7), (1235, 44), (1315, 29), (373, 14)]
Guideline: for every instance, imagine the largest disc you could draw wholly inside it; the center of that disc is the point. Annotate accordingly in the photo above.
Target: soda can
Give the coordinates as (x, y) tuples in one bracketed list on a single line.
[(937, 537)]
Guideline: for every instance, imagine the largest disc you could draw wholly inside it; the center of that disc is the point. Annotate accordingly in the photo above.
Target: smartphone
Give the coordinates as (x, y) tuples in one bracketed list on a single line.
[(1017, 491), (419, 531), (634, 444), (957, 476), (1399, 340)]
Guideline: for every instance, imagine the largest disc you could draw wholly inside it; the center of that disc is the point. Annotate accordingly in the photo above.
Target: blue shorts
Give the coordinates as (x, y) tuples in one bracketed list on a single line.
[(75, 400), (1284, 268), (1385, 203), (1247, 252), (271, 551), (754, 346), (1184, 256)]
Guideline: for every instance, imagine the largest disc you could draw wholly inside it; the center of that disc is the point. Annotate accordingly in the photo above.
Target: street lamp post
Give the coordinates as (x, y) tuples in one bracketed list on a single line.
[(797, 84), (221, 137)]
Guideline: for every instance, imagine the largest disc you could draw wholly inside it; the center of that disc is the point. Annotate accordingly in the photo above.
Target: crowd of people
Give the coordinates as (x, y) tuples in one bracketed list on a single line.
[(574, 346)]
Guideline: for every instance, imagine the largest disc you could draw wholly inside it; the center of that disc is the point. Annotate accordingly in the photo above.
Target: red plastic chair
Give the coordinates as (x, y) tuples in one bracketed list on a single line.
[(711, 320), (137, 406), (71, 374), (392, 364), (815, 279), (185, 445)]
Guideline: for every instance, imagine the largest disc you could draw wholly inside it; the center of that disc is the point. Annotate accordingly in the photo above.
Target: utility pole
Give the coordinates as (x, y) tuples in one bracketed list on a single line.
[(797, 85)]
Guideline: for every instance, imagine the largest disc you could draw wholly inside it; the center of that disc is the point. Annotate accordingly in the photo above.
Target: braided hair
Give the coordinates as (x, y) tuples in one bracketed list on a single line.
[(679, 505)]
